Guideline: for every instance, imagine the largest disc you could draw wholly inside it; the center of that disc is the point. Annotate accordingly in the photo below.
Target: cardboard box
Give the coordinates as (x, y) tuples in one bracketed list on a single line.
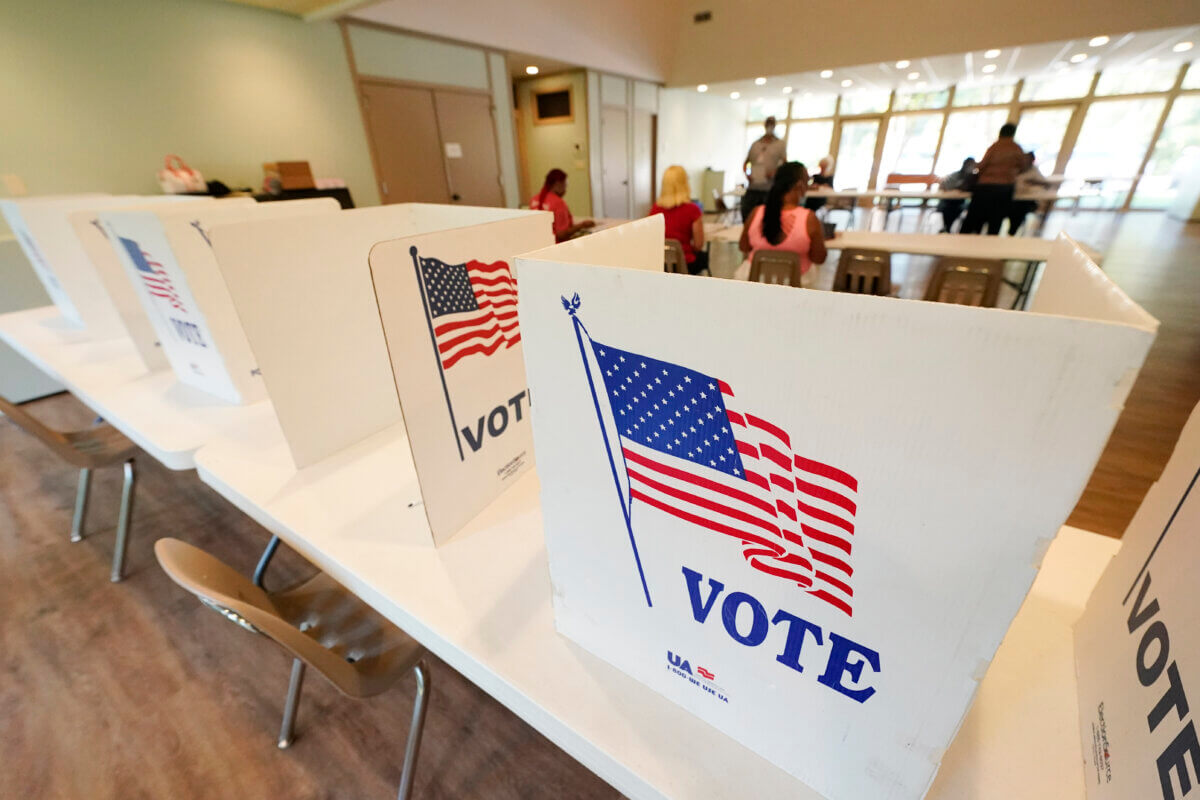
[(810, 517), (290, 174)]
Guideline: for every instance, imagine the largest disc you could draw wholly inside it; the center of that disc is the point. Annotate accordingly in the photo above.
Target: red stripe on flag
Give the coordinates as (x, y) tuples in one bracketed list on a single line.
[(833, 601), (828, 495), (724, 388), (826, 471), (475, 348), (696, 500), (697, 480), (776, 431), (703, 522), (475, 334), (825, 538), (836, 563), (825, 516), (835, 583)]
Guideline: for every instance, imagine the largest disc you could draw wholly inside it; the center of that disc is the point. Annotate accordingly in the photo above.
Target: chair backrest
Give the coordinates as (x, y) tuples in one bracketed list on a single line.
[(966, 281), (673, 258), (775, 266), (719, 202), (898, 179), (864, 272), (93, 447)]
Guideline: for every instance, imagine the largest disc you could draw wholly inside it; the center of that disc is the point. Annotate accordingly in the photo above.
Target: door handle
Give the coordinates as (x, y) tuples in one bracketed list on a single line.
[(456, 197)]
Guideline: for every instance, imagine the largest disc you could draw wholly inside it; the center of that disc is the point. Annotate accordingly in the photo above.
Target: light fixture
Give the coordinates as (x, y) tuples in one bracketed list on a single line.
[(993, 53), (902, 63), (912, 76), (847, 82), (826, 73), (702, 88), (734, 95), (988, 68), (1182, 47), (787, 90), (759, 81), (531, 70), (1098, 41), (1078, 58)]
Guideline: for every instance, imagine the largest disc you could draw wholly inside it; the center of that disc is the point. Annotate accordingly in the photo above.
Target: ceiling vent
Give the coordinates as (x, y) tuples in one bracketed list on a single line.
[(703, 16)]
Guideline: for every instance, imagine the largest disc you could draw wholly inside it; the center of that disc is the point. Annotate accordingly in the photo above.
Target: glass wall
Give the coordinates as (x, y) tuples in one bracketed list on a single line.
[(1111, 145), (968, 133), (809, 142), (1176, 153), (910, 147), (1041, 131), (856, 154)]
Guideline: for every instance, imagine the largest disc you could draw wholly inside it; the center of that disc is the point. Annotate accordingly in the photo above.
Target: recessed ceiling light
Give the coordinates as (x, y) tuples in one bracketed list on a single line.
[(1078, 58), (902, 64), (531, 70), (912, 76), (1098, 41), (787, 90), (988, 68), (1182, 47), (702, 87), (826, 73), (847, 82), (734, 95), (993, 53), (759, 81)]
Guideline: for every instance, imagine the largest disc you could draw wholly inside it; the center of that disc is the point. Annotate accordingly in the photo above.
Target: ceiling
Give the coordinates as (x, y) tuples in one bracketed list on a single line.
[(308, 9), (1146, 48), (546, 66)]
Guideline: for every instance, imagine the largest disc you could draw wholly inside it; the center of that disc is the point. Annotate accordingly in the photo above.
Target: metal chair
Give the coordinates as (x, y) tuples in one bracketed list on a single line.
[(320, 623), (673, 258), (100, 446), (775, 266), (966, 281), (864, 272), (725, 214)]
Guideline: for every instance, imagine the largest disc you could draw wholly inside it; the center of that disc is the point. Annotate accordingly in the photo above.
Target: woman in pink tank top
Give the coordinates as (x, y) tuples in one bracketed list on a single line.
[(782, 223)]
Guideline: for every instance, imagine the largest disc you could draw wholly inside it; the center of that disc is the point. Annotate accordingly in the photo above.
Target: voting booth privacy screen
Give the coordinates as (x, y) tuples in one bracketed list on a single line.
[(814, 541), (1137, 646), (448, 305)]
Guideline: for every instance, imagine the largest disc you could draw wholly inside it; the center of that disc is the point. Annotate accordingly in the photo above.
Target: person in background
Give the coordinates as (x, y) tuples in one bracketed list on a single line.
[(764, 157), (781, 223), (550, 198), (961, 180), (993, 194), (683, 220), (823, 178), (1029, 181)]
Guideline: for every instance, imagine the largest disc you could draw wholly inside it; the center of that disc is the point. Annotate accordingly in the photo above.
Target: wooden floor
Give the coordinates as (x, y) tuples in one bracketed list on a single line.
[(136, 691)]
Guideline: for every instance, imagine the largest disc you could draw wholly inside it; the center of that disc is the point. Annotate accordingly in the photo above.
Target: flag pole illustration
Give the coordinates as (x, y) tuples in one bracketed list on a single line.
[(687, 448), (471, 310)]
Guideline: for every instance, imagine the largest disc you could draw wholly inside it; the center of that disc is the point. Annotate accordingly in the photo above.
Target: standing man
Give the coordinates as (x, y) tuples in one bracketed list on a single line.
[(765, 156), (993, 194)]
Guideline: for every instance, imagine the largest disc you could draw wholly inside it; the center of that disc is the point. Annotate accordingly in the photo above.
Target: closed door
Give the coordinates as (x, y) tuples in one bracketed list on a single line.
[(614, 159), (643, 162), (469, 147), (402, 124)]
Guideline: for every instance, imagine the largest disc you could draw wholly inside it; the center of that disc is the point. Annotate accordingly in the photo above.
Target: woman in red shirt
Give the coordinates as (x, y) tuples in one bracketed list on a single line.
[(682, 218), (550, 198)]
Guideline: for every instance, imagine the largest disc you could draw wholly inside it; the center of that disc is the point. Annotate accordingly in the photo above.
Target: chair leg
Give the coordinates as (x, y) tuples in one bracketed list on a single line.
[(124, 519), (287, 729), (421, 672), (81, 504)]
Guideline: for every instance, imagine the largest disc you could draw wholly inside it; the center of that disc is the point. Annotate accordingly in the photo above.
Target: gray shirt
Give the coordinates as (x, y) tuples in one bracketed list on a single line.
[(765, 156)]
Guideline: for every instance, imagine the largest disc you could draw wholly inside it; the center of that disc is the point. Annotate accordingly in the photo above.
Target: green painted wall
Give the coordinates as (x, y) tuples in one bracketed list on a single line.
[(94, 93), (561, 144)]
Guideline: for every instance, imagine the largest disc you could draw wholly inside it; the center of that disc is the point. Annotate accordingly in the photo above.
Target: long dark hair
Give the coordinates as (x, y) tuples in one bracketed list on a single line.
[(786, 179), (552, 177)]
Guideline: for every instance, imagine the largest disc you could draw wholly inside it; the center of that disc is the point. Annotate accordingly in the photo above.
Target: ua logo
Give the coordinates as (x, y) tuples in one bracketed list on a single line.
[(679, 663)]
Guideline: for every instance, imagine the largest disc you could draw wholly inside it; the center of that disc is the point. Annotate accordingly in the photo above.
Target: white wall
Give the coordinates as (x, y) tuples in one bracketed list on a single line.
[(627, 37), (701, 130)]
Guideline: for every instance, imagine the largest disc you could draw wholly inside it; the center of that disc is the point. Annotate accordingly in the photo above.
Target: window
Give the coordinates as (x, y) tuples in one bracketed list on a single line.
[(552, 107), (809, 105), (1176, 154), (755, 132), (916, 101), (909, 146), (1041, 130), (1192, 79), (983, 94), (1112, 143), (1066, 84), (856, 154), (1133, 81), (761, 109), (968, 134), (866, 101), (809, 142)]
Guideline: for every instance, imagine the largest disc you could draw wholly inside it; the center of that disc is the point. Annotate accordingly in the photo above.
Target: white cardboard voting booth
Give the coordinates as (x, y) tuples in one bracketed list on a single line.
[(1137, 646), (808, 517), (448, 304), (48, 240), (303, 291), (167, 256)]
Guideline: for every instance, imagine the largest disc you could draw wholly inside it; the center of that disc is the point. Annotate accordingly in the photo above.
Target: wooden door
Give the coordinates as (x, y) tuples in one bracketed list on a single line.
[(403, 129), (614, 161), (469, 145)]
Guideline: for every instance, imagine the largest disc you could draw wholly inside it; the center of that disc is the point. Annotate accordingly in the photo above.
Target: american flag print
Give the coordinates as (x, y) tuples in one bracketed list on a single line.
[(472, 307), (691, 451), (157, 282)]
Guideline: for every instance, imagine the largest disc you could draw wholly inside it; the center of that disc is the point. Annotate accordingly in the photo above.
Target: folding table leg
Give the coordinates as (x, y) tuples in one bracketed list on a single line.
[(123, 521), (296, 682), (411, 748), (81, 504)]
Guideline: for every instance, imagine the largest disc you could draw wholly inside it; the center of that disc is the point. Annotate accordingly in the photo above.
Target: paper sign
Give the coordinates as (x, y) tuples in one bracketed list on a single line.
[(453, 150), (448, 303), (1137, 646), (806, 517)]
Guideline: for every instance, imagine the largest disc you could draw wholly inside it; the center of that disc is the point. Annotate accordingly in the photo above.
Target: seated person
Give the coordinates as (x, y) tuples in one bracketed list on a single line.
[(783, 224), (682, 218), (550, 198), (824, 179), (1030, 180), (961, 180)]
